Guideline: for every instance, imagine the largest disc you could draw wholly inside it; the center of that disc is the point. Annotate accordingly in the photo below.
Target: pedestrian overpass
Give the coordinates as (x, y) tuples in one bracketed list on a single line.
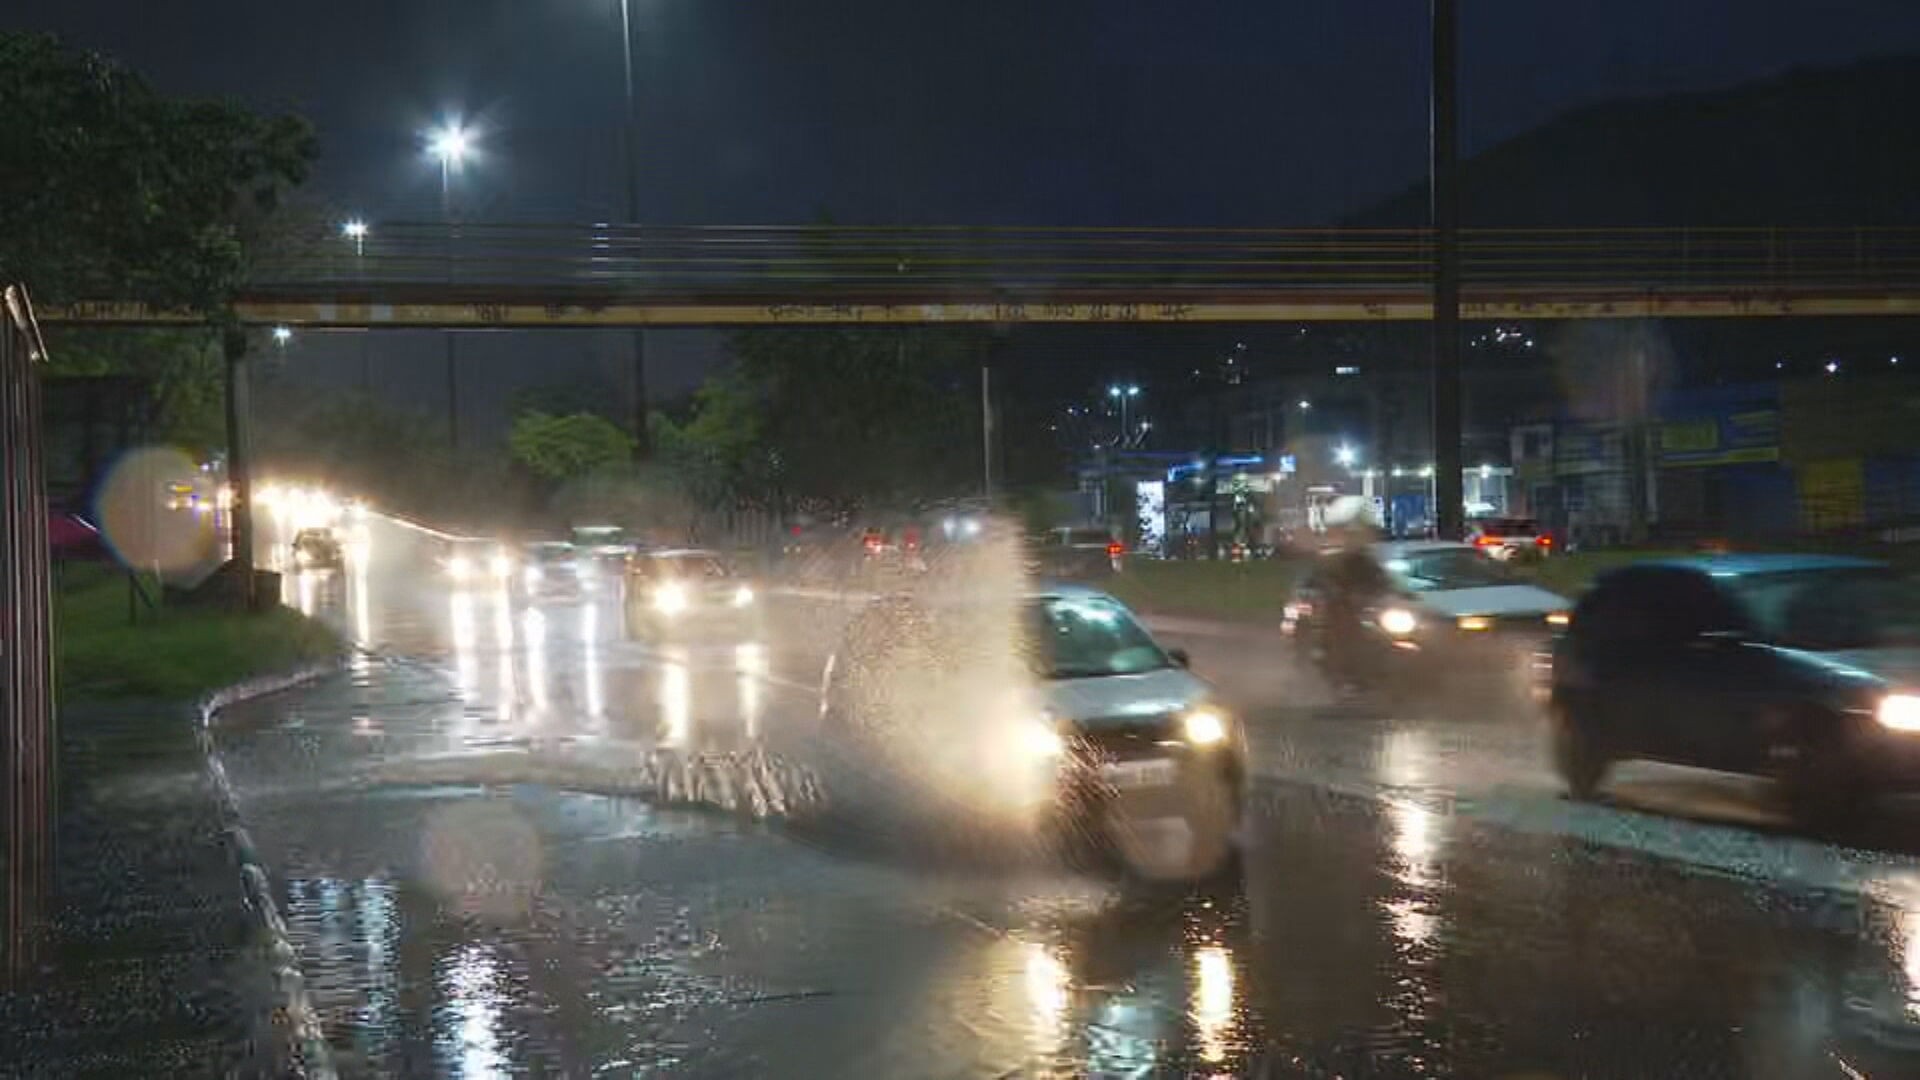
[(476, 275)]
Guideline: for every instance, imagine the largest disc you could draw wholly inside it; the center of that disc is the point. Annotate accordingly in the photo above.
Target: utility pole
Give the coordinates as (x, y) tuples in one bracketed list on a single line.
[(239, 464), (632, 142), (986, 431), (1449, 514)]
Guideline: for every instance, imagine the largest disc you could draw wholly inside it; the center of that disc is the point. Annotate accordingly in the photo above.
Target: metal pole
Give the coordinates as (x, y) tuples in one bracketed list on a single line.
[(1450, 513), (239, 454), (453, 386), (632, 141), (986, 431)]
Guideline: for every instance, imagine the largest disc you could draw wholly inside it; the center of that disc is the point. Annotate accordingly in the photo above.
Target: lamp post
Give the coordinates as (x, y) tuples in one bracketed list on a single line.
[(632, 146), (450, 144)]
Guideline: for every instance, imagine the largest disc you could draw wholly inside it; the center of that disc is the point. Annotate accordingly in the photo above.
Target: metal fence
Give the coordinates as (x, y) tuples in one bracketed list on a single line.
[(802, 262), (26, 660)]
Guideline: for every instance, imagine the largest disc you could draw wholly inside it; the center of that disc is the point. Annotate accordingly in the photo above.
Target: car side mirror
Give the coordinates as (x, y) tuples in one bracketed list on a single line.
[(1180, 657)]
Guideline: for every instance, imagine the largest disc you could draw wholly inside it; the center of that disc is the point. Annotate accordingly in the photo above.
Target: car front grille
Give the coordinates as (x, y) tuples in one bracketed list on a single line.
[(1122, 738)]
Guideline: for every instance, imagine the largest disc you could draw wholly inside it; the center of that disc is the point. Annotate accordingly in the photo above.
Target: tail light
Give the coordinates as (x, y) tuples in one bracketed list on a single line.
[(1543, 541), (1115, 549), (1486, 541)]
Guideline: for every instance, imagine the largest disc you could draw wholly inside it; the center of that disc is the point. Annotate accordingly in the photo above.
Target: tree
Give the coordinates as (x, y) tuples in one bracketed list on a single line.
[(853, 416), (181, 370), (562, 448), (108, 190)]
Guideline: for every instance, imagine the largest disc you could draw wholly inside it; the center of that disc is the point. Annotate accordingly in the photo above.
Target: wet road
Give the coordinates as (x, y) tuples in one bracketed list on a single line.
[(1418, 900)]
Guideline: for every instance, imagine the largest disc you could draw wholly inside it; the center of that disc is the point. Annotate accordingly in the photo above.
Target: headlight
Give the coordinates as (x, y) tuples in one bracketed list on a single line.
[(1204, 727), (459, 568), (1899, 712), (1559, 618), (1474, 622), (1040, 739), (743, 596), (304, 558), (534, 575), (1398, 621), (670, 599), (501, 564)]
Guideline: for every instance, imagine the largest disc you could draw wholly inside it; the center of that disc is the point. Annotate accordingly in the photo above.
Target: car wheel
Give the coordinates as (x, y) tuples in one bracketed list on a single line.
[(1819, 783), (1578, 756)]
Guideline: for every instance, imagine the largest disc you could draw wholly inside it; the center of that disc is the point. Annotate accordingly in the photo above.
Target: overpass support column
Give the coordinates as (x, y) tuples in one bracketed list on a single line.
[(239, 464), (1443, 191)]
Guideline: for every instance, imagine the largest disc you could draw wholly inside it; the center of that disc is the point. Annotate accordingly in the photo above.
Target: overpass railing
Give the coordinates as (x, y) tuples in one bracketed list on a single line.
[(619, 260)]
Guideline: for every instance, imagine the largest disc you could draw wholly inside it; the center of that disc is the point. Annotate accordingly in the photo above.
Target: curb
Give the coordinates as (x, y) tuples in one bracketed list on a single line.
[(299, 1048)]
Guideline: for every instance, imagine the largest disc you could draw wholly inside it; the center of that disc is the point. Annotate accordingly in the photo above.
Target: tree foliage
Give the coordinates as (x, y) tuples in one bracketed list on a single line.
[(109, 190), (181, 369), (844, 417), (562, 448)]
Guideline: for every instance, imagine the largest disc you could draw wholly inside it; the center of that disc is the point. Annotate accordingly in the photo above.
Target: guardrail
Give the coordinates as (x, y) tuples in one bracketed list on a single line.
[(764, 260)]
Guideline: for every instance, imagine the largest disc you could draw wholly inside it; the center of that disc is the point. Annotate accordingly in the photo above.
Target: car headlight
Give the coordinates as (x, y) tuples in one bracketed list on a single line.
[(459, 568), (1559, 618), (534, 574), (500, 564), (1474, 622), (743, 596), (1040, 739), (304, 558), (670, 599), (1899, 712), (1204, 727), (1398, 621)]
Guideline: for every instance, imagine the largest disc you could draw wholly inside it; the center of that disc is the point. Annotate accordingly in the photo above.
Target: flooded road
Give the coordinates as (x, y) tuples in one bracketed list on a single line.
[(1417, 900)]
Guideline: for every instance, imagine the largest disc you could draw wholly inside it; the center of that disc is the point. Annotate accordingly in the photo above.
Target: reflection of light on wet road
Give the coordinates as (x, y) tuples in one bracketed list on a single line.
[(1406, 758), (676, 697), (503, 644), (466, 665), (590, 644), (1049, 992), (1213, 1000), (750, 668), (1909, 924), (1417, 835), (533, 627), (473, 987), (360, 600)]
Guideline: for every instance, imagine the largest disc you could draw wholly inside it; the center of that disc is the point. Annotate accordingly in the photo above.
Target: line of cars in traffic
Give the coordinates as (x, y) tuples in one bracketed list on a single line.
[(1799, 668)]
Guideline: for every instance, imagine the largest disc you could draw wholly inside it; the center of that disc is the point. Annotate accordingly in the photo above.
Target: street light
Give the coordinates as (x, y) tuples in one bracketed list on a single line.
[(356, 231), (282, 335), (1345, 456), (451, 144)]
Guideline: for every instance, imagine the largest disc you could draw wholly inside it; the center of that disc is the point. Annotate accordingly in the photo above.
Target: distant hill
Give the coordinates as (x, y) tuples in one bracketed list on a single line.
[(1827, 146)]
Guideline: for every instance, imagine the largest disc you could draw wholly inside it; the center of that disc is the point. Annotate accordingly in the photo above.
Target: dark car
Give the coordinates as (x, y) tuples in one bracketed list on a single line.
[(677, 591), (317, 549), (1079, 553), (1092, 727), (1427, 617), (1801, 668), (1510, 539)]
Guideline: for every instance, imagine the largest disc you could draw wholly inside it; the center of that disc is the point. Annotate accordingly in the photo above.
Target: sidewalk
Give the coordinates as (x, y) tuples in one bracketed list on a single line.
[(152, 965)]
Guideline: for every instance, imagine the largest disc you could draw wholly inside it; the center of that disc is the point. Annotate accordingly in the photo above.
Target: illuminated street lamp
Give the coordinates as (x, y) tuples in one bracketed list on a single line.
[(282, 335), (356, 231), (1345, 456), (450, 145)]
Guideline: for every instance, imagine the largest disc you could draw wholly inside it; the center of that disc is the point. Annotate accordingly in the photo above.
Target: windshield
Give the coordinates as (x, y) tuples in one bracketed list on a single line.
[(1085, 638), (1446, 569), (1833, 610), (551, 553), (690, 566)]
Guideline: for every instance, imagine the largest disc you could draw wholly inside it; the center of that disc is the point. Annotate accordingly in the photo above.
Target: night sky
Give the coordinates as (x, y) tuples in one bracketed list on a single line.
[(1255, 112)]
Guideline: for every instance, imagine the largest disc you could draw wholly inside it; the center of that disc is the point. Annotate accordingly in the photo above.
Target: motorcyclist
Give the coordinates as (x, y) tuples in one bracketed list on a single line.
[(1353, 583)]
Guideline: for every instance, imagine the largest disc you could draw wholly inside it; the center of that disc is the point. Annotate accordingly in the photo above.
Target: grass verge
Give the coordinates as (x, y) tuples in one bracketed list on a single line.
[(171, 654), (1246, 591)]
